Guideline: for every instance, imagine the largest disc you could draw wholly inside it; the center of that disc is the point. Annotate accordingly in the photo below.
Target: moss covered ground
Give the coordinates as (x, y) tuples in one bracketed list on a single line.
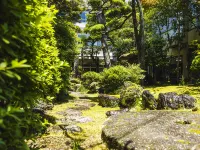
[(90, 137)]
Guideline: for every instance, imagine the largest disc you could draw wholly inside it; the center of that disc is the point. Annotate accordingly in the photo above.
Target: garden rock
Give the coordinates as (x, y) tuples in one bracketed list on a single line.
[(157, 130), (79, 119), (108, 101), (71, 128), (174, 101), (115, 112), (189, 101), (44, 106), (148, 100)]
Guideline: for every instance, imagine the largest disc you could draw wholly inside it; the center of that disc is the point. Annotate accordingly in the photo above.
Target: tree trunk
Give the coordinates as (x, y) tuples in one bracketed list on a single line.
[(139, 34), (106, 53), (97, 63), (179, 50), (102, 20), (185, 30)]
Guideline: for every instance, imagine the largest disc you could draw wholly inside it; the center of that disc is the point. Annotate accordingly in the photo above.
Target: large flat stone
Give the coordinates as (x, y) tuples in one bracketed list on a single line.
[(157, 130)]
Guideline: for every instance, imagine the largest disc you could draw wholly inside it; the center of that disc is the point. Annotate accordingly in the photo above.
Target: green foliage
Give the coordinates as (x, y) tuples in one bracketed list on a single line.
[(90, 77), (131, 96), (75, 80), (196, 63), (27, 37), (91, 81), (16, 125), (94, 87), (114, 77)]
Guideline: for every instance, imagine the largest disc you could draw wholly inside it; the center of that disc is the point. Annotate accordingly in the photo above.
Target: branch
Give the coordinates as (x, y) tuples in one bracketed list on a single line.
[(120, 26)]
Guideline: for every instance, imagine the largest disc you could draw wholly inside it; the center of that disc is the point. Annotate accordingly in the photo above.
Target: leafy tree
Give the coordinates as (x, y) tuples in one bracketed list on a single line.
[(105, 17), (65, 33)]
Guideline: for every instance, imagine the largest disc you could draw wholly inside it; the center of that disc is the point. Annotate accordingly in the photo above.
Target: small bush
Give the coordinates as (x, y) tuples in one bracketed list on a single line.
[(90, 77), (130, 96), (114, 77), (94, 87)]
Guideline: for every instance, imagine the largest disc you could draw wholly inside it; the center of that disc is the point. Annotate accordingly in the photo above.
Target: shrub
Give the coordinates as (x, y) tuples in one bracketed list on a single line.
[(27, 37), (75, 80), (130, 96), (90, 77), (114, 77), (94, 87)]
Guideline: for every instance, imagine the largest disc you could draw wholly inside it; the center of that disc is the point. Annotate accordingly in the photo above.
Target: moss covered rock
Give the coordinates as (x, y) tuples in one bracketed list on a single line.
[(152, 130), (174, 101), (148, 100), (108, 101)]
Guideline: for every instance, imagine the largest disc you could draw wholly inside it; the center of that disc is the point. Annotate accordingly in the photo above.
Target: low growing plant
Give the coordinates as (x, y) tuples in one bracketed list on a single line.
[(131, 96)]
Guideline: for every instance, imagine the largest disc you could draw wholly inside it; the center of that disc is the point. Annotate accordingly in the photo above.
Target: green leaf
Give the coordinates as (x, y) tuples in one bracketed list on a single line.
[(3, 65), (6, 41)]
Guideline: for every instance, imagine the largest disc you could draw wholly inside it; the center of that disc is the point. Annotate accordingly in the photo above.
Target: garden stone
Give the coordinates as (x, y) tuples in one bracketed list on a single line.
[(174, 101), (115, 112), (157, 130), (79, 119), (85, 104), (188, 100), (71, 128), (80, 107), (148, 100), (44, 106), (108, 101)]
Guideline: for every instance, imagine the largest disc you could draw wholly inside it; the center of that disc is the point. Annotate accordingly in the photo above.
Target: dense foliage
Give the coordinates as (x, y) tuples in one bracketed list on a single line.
[(90, 77), (114, 77), (27, 37)]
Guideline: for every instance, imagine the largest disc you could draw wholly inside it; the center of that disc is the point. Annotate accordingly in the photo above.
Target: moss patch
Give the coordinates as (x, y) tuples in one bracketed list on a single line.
[(92, 131), (90, 137)]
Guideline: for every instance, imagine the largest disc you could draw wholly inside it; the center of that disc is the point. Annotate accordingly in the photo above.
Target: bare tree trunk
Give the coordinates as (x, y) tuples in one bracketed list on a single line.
[(106, 53), (179, 50), (97, 63), (185, 30)]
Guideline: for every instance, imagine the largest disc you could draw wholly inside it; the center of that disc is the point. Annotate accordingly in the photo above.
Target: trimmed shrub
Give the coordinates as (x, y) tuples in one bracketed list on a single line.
[(130, 96), (89, 77), (114, 77), (94, 87)]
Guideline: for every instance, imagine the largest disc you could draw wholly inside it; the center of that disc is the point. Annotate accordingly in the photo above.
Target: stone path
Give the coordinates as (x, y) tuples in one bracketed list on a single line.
[(69, 119)]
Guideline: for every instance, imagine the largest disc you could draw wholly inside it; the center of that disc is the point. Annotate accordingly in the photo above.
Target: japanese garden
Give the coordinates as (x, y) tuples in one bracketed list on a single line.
[(99, 74)]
